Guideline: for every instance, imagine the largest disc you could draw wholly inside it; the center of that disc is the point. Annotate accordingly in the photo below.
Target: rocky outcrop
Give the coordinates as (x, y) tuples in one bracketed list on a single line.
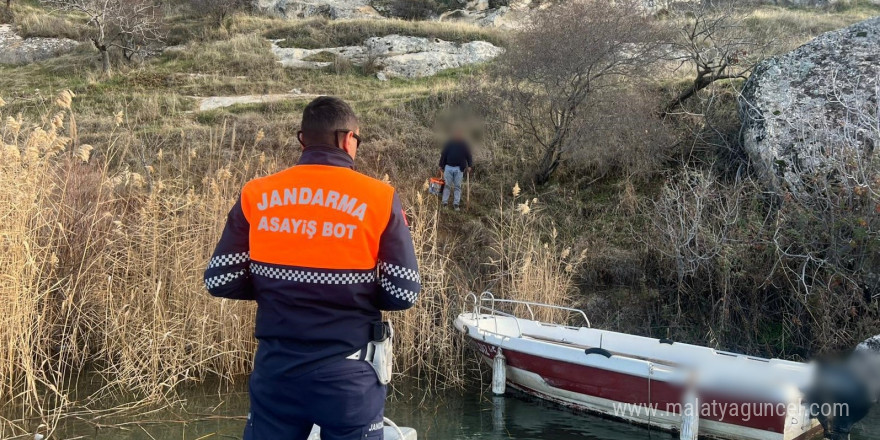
[(394, 56), (17, 50), (480, 12), (215, 102), (870, 345), (504, 14), (334, 9), (495, 13), (501, 17), (801, 110), (487, 13)]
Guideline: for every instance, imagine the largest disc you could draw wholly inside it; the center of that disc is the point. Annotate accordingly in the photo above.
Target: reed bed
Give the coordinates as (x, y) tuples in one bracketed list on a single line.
[(426, 348), (529, 263), (101, 273)]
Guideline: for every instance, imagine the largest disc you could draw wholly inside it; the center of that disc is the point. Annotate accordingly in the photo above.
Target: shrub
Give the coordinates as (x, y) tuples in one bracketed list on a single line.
[(622, 135), (594, 42), (416, 9), (217, 10)]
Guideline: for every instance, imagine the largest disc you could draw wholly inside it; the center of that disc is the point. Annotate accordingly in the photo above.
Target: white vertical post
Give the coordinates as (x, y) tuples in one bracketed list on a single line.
[(499, 374), (690, 415)]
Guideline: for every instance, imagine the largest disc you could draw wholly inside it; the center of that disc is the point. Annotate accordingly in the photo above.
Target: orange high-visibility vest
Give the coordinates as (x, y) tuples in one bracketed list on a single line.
[(317, 216)]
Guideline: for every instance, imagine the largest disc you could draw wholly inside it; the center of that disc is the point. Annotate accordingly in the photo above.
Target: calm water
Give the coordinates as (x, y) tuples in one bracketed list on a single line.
[(212, 414)]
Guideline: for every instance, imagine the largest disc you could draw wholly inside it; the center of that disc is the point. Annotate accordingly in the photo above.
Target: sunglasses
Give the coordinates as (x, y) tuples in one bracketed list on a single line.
[(299, 136), (355, 135)]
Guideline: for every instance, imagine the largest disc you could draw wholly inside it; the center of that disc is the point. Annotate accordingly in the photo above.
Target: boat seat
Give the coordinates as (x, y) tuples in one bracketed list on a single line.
[(613, 353)]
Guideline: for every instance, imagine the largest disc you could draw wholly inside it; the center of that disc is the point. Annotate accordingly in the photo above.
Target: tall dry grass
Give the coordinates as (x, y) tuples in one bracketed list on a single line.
[(529, 263), (101, 272), (426, 347)]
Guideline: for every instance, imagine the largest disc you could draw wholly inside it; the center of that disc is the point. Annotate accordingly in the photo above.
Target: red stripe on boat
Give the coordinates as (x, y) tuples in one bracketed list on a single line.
[(628, 389)]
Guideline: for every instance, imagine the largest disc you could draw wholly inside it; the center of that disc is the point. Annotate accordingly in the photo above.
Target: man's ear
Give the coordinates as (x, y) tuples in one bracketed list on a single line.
[(349, 144), (299, 137)]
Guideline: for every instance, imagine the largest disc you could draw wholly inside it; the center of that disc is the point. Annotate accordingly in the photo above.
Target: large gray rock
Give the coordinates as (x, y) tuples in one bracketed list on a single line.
[(870, 345), (798, 109), (501, 17), (334, 9), (17, 50), (396, 56), (414, 57), (479, 12)]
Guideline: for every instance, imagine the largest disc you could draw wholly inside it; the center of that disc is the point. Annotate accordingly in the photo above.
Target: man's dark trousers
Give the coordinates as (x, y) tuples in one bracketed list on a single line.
[(344, 398)]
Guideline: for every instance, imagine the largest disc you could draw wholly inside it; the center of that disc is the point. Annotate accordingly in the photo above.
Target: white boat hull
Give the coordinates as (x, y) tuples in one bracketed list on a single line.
[(641, 380)]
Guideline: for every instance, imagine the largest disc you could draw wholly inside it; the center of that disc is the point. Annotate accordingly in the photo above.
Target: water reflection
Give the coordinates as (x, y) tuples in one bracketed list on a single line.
[(219, 414), (474, 415)]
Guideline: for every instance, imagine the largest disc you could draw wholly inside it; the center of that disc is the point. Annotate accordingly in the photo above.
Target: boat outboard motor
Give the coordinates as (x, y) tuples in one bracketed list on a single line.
[(844, 391)]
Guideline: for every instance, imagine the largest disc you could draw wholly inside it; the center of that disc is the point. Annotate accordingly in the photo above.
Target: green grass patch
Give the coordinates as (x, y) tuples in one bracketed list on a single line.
[(248, 55), (293, 106), (211, 117)]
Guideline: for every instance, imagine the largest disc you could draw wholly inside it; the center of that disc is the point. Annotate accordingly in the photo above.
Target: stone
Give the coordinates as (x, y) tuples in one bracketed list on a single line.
[(477, 5), (17, 50), (215, 102), (297, 58), (870, 345), (502, 17), (396, 56), (334, 9), (796, 108)]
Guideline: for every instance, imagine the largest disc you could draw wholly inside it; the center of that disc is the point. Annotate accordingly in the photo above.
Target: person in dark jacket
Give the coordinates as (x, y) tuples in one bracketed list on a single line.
[(455, 161), (322, 249)]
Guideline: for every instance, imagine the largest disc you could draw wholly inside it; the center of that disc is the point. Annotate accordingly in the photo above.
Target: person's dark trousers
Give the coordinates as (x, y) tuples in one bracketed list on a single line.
[(344, 398)]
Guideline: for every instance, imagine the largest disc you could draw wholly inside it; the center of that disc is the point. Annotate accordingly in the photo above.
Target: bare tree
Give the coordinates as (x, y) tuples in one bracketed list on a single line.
[(714, 43), (566, 53), (130, 25)]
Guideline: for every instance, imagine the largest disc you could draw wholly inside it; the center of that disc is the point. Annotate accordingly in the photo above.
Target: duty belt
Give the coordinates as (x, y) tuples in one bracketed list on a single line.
[(364, 354), (379, 332)]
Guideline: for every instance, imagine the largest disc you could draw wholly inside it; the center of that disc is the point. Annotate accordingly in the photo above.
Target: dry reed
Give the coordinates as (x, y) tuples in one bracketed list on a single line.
[(102, 272), (528, 265), (103, 252)]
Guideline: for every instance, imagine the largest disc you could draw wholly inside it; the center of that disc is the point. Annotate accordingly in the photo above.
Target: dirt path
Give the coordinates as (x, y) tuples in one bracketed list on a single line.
[(215, 102)]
